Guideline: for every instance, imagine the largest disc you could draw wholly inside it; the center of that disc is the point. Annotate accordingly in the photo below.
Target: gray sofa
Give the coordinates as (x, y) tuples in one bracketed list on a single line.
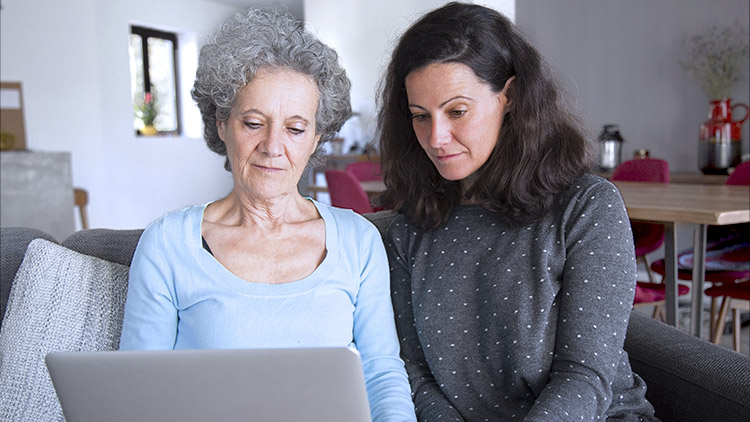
[(688, 379)]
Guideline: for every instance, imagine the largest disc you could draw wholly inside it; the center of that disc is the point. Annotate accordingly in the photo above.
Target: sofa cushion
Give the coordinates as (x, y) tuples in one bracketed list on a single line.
[(60, 301)]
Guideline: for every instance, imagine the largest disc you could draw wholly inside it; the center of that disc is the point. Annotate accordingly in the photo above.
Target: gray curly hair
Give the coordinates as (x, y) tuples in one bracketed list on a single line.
[(263, 39)]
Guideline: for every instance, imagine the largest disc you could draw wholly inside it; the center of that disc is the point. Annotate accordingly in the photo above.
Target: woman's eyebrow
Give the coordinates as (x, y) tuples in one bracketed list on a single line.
[(295, 117), (456, 98), (445, 102)]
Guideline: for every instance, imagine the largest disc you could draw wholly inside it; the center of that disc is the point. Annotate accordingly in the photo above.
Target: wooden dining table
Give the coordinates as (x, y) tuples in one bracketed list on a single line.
[(696, 205)]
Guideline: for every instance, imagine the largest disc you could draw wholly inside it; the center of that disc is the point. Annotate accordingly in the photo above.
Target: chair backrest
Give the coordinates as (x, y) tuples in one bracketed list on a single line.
[(346, 192), (81, 199), (741, 175), (642, 170), (365, 170), (648, 237)]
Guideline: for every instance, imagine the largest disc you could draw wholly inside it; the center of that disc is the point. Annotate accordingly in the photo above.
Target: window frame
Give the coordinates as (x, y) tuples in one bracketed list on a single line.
[(146, 33)]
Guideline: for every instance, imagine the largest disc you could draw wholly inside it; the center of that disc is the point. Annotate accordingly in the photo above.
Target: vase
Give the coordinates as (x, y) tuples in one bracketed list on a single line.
[(148, 130), (720, 141)]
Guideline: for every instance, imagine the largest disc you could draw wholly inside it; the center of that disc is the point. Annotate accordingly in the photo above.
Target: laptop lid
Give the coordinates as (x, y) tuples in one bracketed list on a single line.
[(296, 384)]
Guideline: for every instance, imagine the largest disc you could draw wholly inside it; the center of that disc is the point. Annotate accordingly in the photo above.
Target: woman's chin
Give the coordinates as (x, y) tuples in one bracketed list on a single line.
[(453, 175)]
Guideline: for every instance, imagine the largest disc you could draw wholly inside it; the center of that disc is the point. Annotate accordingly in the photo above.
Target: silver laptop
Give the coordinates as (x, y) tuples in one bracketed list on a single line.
[(298, 384)]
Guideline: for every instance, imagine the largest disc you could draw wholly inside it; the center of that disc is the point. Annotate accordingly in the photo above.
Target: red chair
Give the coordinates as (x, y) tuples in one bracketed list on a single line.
[(647, 237), (654, 294), (346, 192), (741, 175), (735, 296), (727, 248), (365, 170)]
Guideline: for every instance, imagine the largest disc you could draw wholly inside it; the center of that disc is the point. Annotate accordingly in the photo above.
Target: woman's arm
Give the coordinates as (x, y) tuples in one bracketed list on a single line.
[(595, 303), (150, 319), (375, 334), (429, 400)]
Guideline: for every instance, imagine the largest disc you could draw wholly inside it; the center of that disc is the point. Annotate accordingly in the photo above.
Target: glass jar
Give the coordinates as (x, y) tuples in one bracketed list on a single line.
[(610, 147), (640, 153)]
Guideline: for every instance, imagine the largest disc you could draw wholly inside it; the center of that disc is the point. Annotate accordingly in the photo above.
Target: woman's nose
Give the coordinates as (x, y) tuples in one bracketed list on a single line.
[(272, 144), (439, 133)]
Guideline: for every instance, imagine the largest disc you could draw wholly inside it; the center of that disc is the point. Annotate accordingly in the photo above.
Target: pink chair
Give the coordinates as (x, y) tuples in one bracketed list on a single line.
[(346, 192), (647, 237), (741, 175), (727, 259), (365, 170), (735, 296)]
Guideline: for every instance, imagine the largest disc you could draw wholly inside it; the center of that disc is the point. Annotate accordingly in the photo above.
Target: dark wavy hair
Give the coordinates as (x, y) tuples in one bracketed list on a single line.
[(267, 39), (540, 151)]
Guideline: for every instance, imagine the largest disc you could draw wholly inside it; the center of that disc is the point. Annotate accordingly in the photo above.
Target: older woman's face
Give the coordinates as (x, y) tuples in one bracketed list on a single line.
[(456, 117), (270, 133)]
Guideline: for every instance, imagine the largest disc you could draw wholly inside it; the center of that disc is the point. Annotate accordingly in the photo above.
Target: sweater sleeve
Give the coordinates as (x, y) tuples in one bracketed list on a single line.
[(595, 302), (429, 401), (150, 318), (375, 334)]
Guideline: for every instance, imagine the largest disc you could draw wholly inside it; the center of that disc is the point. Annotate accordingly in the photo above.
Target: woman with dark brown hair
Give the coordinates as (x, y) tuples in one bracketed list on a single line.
[(512, 270)]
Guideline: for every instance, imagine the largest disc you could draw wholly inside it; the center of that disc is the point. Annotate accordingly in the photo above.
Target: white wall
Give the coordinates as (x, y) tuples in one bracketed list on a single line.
[(364, 33), (72, 59), (619, 60), (619, 57)]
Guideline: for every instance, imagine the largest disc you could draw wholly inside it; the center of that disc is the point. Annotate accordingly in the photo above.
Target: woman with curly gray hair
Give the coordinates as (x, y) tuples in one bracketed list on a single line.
[(264, 266)]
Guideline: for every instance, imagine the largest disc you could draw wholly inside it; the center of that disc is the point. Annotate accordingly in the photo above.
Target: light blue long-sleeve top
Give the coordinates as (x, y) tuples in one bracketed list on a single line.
[(180, 297)]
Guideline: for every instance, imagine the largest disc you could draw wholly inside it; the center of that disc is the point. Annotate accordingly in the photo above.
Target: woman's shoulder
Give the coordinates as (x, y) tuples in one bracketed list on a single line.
[(175, 223), (399, 231), (591, 184), (593, 196)]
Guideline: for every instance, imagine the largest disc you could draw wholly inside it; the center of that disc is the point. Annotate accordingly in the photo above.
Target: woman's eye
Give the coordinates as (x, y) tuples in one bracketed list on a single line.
[(457, 113), (418, 117), (252, 125), (296, 131)]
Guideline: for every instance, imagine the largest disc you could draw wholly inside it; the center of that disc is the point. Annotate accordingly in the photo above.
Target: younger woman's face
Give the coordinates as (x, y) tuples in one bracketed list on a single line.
[(456, 117)]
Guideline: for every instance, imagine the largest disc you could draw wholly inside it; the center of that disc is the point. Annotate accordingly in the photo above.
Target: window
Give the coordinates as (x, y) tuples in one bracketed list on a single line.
[(153, 81)]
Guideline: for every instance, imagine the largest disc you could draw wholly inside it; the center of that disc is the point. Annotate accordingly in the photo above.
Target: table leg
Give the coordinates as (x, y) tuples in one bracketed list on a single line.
[(670, 274), (699, 276)]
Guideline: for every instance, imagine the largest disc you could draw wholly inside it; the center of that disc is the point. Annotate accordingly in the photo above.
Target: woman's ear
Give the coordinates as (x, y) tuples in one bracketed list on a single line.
[(316, 144), (220, 127), (508, 91)]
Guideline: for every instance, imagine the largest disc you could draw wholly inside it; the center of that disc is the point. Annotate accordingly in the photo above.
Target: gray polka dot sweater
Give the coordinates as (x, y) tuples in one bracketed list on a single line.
[(503, 322)]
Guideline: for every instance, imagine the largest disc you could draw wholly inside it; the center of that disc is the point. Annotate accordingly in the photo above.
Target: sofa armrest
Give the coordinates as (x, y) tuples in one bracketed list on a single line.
[(688, 379), (13, 243), (116, 246)]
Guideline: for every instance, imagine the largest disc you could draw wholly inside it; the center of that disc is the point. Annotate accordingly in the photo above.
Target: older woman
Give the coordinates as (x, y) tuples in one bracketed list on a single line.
[(512, 270), (265, 266)]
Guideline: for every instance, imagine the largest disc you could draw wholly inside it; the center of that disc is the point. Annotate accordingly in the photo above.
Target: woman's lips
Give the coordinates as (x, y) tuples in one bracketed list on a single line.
[(447, 157), (266, 169)]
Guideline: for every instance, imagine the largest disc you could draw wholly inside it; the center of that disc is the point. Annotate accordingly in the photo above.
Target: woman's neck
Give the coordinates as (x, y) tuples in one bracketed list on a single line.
[(466, 184), (237, 209)]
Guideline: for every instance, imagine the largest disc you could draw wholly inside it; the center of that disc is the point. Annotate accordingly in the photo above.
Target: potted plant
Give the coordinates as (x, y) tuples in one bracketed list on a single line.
[(147, 112), (715, 60)]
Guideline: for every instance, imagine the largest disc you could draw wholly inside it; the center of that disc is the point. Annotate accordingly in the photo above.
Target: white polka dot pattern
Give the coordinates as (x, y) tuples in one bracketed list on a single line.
[(503, 322)]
